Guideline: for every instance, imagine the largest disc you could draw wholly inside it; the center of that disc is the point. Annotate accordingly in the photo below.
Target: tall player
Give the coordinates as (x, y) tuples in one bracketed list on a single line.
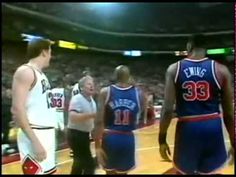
[(118, 110), (32, 109), (198, 85)]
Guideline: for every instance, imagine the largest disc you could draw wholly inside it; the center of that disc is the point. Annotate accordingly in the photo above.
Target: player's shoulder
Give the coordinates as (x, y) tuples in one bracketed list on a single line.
[(221, 68), (172, 68), (76, 84), (104, 89), (24, 71)]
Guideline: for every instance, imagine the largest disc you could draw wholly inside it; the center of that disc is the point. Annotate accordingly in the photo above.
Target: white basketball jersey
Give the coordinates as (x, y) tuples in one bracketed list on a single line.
[(75, 90), (59, 99), (39, 105)]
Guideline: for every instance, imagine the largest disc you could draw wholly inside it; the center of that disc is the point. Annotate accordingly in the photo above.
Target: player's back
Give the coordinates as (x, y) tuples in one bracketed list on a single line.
[(197, 88), (122, 108), (199, 140)]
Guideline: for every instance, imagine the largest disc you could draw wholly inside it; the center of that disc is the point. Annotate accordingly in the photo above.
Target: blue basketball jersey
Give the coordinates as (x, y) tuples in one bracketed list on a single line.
[(122, 108), (197, 88)]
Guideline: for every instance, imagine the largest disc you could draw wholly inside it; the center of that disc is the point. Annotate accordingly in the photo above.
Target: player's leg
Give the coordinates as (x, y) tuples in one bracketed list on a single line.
[(29, 164), (120, 151), (87, 160), (187, 148), (214, 155), (74, 143)]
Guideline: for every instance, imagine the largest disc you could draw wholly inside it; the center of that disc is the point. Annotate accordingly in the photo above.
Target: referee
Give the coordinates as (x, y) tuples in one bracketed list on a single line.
[(82, 111)]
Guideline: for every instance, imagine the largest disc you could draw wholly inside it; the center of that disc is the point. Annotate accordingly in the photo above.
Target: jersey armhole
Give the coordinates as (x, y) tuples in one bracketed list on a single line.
[(108, 94), (177, 71), (35, 78), (138, 97), (213, 65)]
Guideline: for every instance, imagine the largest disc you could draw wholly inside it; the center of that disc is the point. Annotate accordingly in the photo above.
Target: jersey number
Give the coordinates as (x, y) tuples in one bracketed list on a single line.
[(122, 117), (196, 90), (57, 102)]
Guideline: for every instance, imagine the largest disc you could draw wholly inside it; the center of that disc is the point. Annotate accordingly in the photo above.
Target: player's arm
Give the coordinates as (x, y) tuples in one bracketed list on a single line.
[(99, 120), (22, 82), (76, 113), (169, 100), (99, 127), (225, 80), (144, 104)]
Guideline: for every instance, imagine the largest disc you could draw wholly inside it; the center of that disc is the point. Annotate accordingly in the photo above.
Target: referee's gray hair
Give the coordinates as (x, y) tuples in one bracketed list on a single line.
[(83, 80)]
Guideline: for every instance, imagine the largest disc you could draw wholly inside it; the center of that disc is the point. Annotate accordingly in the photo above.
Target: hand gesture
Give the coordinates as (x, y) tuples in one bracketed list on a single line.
[(231, 155), (101, 156), (39, 151)]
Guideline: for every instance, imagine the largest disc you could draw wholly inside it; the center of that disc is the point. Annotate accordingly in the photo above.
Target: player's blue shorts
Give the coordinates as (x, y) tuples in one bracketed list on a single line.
[(120, 150), (199, 146)]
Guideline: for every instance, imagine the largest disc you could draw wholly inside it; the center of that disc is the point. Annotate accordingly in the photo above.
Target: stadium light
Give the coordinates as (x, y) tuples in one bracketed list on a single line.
[(66, 44), (127, 53), (102, 4), (133, 53), (216, 51)]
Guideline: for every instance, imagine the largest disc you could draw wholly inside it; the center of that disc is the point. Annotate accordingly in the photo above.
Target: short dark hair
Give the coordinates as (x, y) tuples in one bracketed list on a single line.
[(36, 45), (198, 41)]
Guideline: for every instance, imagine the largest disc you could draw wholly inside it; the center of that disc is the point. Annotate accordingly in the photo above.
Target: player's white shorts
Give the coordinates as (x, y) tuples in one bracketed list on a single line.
[(60, 120), (29, 164)]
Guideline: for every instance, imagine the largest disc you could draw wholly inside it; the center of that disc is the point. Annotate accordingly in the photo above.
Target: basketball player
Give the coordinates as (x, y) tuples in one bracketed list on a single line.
[(198, 85), (32, 111), (82, 111), (75, 90), (118, 111), (59, 103)]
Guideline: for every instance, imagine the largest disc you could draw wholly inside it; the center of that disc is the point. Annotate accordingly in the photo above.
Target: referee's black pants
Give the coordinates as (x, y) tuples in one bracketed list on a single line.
[(79, 142)]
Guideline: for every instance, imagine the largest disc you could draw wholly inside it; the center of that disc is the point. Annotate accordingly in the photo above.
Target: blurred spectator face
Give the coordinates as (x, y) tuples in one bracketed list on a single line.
[(68, 80), (8, 93), (3, 91)]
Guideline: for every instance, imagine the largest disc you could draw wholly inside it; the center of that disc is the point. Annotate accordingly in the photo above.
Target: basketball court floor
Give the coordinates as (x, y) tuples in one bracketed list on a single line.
[(148, 160)]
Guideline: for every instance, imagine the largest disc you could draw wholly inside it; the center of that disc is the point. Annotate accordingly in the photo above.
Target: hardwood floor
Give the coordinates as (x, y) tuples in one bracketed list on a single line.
[(148, 160)]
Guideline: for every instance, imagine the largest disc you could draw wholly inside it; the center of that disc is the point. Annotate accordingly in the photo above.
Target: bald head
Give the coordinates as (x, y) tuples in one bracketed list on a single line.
[(122, 73)]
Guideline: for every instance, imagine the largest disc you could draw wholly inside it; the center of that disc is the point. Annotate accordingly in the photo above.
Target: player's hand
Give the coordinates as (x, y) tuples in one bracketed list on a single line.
[(231, 156), (39, 151), (101, 156), (165, 152)]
